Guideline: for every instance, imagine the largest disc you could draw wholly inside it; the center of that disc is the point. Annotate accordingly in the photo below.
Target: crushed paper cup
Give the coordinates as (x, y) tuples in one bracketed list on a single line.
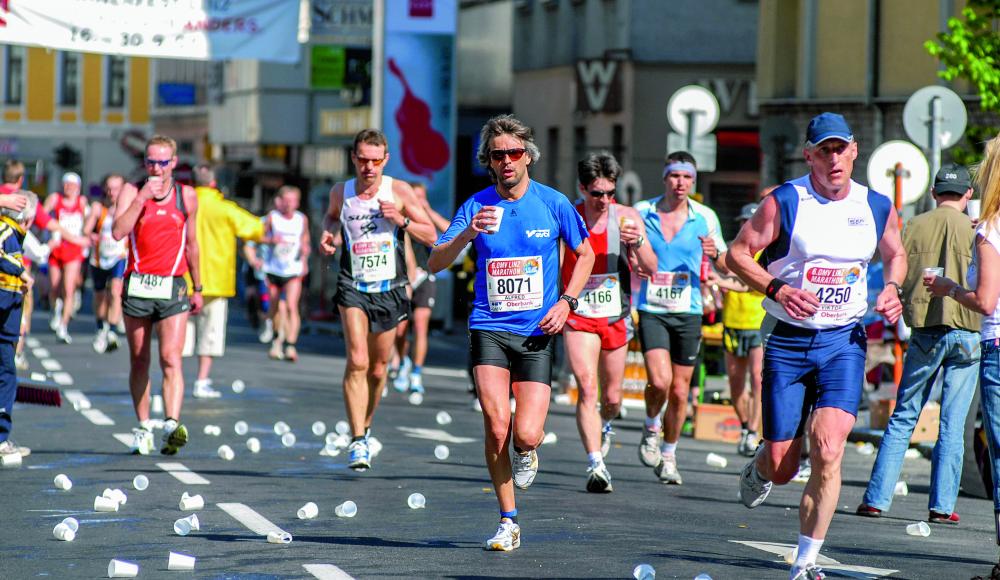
[(226, 452), (342, 441), (342, 427), (901, 489), (185, 526), (117, 495), (253, 444), (920, 529), (319, 428), (416, 501), (374, 446), (11, 460), (72, 523), (348, 509), (716, 460), (140, 482), (241, 428), (329, 450), (279, 538), (212, 430), (239, 386), (63, 482), (122, 569), (331, 437), (643, 572), (308, 511), (191, 502), (866, 449), (792, 555), (180, 562), (280, 428), (64, 532), (288, 439), (703, 576), (443, 418), (416, 399), (550, 438), (912, 454), (441, 452), (105, 504)]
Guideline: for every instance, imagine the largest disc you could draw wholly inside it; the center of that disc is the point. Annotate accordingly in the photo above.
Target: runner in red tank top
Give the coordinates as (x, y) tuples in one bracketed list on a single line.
[(597, 334), (66, 260), (159, 221)]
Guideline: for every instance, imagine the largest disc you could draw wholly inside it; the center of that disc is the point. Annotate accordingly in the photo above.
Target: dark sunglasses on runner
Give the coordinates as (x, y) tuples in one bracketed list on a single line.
[(161, 162), (514, 154), (598, 193)]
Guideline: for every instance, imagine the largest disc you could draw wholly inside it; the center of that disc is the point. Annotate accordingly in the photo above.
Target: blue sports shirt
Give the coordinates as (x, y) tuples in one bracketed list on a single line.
[(677, 286)]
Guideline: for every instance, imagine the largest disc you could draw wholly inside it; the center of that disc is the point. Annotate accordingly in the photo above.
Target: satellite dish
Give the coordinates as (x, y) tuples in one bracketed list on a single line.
[(882, 166), (694, 105), (918, 112)]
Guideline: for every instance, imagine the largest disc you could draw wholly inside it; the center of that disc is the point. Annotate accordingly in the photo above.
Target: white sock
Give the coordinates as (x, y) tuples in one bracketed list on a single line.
[(808, 552), (668, 448), (654, 424), (595, 458), (147, 425)]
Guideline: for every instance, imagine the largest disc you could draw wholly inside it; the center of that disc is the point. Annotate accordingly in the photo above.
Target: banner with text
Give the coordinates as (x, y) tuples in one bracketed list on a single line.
[(192, 29), (418, 106)]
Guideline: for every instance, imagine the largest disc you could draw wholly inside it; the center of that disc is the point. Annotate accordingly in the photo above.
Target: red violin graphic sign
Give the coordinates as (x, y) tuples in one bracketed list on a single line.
[(418, 94)]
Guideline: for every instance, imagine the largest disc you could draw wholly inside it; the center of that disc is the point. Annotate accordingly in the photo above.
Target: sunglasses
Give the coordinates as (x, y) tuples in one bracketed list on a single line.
[(500, 154), (596, 193), (161, 162), (364, 161)]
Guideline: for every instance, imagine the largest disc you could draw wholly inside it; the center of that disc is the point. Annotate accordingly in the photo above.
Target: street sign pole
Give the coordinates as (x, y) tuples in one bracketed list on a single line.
[(690, 114), (935, 141)]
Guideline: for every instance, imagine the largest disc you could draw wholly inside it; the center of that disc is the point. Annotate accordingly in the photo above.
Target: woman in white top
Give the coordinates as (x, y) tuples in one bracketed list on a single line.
[(984, 277), (287, 234)]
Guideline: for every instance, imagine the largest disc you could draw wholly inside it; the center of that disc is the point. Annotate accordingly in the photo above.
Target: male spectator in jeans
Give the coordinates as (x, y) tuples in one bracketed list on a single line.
[(945, 339)]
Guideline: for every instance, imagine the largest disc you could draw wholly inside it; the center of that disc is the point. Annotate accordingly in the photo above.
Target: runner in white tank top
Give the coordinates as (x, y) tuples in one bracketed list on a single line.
[(287, 231), (108, 265)]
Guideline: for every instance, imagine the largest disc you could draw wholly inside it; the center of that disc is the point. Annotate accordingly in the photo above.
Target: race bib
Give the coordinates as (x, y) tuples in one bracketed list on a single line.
[(514, 284), (109, 247), (72, 223), (601, 297), (150, 286), (670, 291), (373, 260), (838, 289), (285, 251)]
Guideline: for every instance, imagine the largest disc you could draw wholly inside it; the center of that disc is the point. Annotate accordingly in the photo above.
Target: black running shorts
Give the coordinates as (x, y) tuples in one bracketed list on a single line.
[(529, 358), (385, 310), (678, 333), (156, 309), (423, 295)]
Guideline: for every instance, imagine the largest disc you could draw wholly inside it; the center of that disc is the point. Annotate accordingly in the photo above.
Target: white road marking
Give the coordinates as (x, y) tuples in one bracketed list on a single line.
[(434, 435), (828, 564), (255, 522), (327, 572), (51, 364), (62, 378), (41, 352), (97, 417), (32, 342), (124, 438), (442, 372), (181, 473)]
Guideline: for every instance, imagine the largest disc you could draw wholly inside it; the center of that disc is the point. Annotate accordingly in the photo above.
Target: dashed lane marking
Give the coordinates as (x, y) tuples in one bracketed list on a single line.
[(97, 417), (62, 378), (51, 364), (255, 522), (32, 342), (442, 372), (181, 473), (40, 353), (434, 435), (327, 572), (124, 438)]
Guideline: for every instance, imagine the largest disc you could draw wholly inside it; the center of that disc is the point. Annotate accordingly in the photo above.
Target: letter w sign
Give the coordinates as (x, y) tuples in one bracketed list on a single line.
[(598, 86)]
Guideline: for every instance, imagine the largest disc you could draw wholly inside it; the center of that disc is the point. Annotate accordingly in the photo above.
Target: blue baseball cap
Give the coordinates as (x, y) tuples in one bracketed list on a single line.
[(828, 126)]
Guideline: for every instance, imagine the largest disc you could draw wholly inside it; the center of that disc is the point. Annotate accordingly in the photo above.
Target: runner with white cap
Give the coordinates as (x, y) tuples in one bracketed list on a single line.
[(70, 210)]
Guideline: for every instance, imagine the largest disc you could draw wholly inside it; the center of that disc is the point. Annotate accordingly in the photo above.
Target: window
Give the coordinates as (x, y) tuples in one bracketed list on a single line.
[(14, 75), (69, 79), (116, 81), (618, 141), (579, 142)]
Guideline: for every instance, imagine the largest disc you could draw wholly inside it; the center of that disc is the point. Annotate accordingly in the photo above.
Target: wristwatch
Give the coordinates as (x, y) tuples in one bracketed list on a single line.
[(406, 223), (639, 242), (899, 289), (573, 302), (197, 289), (953, 291)]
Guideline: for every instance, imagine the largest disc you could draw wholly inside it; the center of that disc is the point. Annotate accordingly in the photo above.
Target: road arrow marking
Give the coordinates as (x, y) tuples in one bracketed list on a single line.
[(97, 417), (828, 564), (327, 572)]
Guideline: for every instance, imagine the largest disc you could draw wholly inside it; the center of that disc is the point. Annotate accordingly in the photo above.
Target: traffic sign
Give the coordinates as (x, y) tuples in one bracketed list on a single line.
[(693, 109), (934, 109), (882, 167)]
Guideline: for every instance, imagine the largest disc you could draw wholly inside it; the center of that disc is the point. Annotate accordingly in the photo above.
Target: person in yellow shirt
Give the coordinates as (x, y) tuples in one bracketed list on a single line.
[(220, 222), (742, 315)]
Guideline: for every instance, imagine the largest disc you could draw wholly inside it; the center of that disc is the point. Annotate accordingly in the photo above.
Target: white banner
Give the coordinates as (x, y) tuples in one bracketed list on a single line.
[(195, 29)]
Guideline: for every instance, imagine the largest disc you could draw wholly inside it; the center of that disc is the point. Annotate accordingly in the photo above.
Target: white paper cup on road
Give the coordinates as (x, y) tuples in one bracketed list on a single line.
[(288, 439), (117, 495), (212, 430), (416, 399), (443, 418), (342, 427), (643, 572), (280, 428), (374, 446), (716, 460), (341, 441), (122, 569), (308, 511), (185, 526), (239, 386), (226, 452), (441, 452), (241, 428), (180, 562), (72, 523), (329, 450), (140, 482), (64, 532), (901, 489), (416, 501), (498, 216), (279, 538), (11, 460), (319, 428), (920, 529), (912, 454), (348, 509), (550, 438), (105, 504), (156, 404), (253, 444), (191, 502), (63, 482)]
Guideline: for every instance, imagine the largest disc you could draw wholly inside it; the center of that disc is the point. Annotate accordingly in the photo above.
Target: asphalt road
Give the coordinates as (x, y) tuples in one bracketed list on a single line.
[(567, 533)]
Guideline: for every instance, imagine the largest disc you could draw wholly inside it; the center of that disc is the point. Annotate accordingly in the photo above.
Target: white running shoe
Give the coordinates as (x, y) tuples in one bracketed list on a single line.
[(753, 489), (649, 447), (804, 473), (598, 479), (203, 390), (101, 342), (56, 318), (507, 538), (476, 405), (525, 468), (112, 341), (810, 572), (143, 442), (21, 361), (267, 334), (63, 335), (666, 470), (359, 456)]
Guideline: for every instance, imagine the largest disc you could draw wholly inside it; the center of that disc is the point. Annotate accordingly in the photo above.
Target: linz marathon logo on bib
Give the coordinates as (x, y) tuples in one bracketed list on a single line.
[(834, 276)]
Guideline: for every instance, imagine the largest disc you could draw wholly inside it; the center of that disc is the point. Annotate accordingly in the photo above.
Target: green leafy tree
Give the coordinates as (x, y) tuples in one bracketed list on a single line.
[(970, 50)]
